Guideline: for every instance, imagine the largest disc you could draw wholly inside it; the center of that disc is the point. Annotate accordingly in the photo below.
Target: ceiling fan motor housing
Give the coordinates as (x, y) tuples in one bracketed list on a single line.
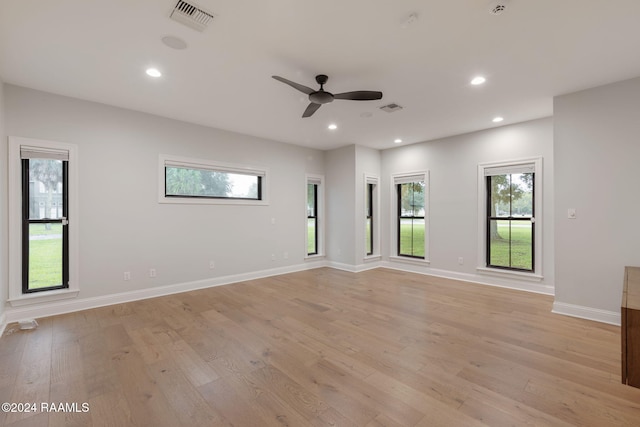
[(320, 97)]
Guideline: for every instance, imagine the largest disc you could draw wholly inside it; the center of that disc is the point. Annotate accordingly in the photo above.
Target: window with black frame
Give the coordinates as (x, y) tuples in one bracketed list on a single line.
[(369, 219), (510, 215), (312, 218), (45, 234), (411, 218)]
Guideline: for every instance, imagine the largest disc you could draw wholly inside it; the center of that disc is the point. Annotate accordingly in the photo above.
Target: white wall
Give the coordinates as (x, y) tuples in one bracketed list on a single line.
[(368, 162), (340, 204), (453, 193), (597, 150), (4, 292), (122, 225)]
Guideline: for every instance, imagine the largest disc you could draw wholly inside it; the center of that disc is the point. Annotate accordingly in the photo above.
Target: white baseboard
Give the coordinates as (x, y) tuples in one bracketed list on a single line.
[(588, 313), (354, 268), (501, 282), (15, 314), (68, 306)]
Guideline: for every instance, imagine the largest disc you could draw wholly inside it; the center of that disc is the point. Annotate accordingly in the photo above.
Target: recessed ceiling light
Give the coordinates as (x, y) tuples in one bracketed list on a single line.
[(397, 141), (333, 126), (478, 80), (153, 72), (497, 119)]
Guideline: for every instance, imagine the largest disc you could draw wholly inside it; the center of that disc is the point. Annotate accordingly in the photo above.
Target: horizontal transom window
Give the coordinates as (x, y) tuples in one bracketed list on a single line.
[(199, 181)]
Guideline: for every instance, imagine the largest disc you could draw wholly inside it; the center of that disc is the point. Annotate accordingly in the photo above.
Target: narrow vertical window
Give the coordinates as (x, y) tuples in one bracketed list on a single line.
[(411, 208), (314, 233), (312, 219), (369, 218), (45, 233)]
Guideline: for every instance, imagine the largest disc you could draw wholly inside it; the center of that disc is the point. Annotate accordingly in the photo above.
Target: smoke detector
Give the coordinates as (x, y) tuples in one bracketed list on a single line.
[(191, 15), (391, 108), (498, 7)]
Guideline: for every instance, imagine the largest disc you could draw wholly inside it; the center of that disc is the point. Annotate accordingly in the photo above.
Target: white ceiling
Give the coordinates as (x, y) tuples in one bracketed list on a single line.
[(99, 49)]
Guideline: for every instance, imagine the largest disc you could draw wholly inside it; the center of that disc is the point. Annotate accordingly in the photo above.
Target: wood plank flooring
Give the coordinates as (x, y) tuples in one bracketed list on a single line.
[(322, 348)]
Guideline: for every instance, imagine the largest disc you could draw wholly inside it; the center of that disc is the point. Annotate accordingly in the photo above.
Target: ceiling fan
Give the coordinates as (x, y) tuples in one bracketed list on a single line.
[(321, 96)]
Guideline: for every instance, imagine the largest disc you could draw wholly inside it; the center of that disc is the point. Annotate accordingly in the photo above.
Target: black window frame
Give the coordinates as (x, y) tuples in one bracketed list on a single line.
[(259, 177), (510, 218), (369, 218), (27, 221), (313, 216), (400, 217)]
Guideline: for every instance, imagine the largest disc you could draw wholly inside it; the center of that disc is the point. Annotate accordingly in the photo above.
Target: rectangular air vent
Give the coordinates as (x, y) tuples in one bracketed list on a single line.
[(390, 108), (191, 15)]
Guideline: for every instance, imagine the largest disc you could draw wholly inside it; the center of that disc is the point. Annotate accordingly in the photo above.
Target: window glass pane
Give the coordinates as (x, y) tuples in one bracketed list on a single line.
[(190, 182), (311, 199), (511, 244), (499, 235), (368, 241), (311, 236), (521, 245), (412, 237), (511, 195), (45, 255), (500, 195), (412, 199), (522, 197), (45, 178)]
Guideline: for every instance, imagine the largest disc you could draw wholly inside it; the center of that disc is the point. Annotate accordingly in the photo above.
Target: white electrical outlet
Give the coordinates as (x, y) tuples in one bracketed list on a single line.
[(285, 255), (212, 265), (152, 272), (127, 275), (460, 260), (273, 257)]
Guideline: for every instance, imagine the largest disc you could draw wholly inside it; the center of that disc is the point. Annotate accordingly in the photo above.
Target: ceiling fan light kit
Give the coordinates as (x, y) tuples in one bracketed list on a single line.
[(319, 97)]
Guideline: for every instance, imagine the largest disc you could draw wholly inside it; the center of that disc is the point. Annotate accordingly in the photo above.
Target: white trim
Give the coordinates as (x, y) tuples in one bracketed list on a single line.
[(518, 275), (53, 308), (43, 297), (15, 218), (375, 180), (409, 260), (320, 214), (537, 221), (582, 312), (188, 162), (520, 285), (17, 314), (354, 268), (403, 178)]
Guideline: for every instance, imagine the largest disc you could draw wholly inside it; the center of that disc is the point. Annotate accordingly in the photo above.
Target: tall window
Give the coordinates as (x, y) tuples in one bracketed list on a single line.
[(314, 208), (511, 201), (411, 224), (312, 219), (42, 221), (368, 200), (45, 237)]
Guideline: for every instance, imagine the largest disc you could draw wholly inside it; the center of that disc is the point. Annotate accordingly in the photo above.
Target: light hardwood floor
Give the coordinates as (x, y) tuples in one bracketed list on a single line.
[(322, 347)]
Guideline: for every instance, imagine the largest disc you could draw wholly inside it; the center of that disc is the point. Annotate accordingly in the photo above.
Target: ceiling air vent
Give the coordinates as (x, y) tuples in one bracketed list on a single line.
[(391, 108), (191, 15)]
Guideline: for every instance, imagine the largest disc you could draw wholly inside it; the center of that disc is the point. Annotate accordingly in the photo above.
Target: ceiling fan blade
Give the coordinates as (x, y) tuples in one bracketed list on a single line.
[(312, 108), (359, 95), (301, 88)]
